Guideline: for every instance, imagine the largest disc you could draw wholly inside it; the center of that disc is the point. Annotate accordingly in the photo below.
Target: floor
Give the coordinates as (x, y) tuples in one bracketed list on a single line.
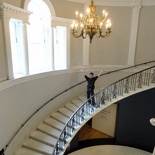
[(110, 150), (87, 132)]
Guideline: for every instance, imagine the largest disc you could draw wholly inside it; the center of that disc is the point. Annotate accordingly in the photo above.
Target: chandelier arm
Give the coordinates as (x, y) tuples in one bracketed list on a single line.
[(106, 34), (84, 37), (98, 19), (99, 35), (76, 35), (85, 20)]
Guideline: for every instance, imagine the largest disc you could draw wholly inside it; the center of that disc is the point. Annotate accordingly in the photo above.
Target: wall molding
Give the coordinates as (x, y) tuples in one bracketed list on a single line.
[(5, 83), (3, 79), (13, 12)]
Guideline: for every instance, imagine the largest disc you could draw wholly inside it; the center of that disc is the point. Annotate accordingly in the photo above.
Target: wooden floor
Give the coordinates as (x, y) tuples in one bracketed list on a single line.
[(87, 132)]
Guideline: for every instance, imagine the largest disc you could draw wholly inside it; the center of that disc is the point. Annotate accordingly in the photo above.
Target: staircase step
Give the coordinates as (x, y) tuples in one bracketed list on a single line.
[(96, 91), (83, 98), (77, 102), (25, 151), (49, 130), (38, 146), (54, 123), (44, 138), (71, 107), (61, 118), (66, 112)]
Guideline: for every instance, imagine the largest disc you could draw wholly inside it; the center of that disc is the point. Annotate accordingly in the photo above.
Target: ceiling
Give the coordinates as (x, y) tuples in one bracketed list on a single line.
[(118, 2)]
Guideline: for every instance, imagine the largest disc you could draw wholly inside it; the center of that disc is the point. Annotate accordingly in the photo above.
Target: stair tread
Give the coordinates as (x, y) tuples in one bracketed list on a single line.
[(49, 130), (71, 107), (42, 137), (26, 151), (55, 123), (77, 102), (38, 146), (66, 112), (83, 98), (60, 117)]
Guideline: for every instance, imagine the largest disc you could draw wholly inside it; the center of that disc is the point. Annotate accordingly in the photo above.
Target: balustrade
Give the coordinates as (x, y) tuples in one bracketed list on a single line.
[(104, 96)]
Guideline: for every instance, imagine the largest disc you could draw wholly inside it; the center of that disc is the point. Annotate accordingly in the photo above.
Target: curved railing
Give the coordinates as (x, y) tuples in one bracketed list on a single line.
[(113, 91), (3, 150)]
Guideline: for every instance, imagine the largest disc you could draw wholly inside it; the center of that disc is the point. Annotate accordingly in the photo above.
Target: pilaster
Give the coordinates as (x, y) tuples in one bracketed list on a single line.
[(7, 12), (86, 51), (86, 44), (25, 48), (134, 29), (52, 47), (57, 21)]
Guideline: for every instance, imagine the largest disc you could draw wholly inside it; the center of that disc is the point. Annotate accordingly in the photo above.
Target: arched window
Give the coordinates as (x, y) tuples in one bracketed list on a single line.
[(43, 55), (43, 47), (39, 37)]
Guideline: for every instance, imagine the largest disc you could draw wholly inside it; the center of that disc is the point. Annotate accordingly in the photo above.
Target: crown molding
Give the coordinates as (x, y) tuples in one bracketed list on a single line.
[(8, 11), (117, 2), (11, 8)]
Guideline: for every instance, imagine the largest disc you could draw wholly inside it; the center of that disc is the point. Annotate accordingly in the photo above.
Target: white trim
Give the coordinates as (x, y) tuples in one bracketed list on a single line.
[(99, 67), (86, 45), (11, 8), (7, 12), (108, 68), (51, 8), (116, 2), (56, 21), (10, 83), (133, 34), (74, 69), (68, 48), (11, 11)]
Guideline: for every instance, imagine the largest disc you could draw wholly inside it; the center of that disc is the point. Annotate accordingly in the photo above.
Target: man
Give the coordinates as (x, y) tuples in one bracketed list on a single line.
[(91, 86)]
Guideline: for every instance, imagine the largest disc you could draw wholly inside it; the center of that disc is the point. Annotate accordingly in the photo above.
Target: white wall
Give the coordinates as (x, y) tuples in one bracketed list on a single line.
[(3, 67), (105, 120), (114, 49), (20, 98), (146, 35)]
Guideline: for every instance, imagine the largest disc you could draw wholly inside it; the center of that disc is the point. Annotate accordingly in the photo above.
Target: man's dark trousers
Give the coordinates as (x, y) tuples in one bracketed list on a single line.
[(90, 93)]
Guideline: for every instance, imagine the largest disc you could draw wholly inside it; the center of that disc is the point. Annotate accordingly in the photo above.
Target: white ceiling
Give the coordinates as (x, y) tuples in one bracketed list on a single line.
[(118, 2)]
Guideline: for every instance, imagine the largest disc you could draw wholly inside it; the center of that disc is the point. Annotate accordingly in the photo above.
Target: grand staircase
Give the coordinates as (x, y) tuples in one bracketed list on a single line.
[(54, 134)]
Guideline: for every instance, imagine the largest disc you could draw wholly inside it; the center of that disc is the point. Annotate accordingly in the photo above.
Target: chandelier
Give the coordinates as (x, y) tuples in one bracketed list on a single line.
[(91, 24)]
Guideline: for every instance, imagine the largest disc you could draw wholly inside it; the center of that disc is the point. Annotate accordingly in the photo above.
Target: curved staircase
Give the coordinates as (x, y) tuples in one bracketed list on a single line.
[(44, 138), (54, 134)]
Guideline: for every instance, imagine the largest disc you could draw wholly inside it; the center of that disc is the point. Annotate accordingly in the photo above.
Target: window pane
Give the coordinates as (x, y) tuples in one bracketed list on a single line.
[(17, 47), (39, 42), (60, 48)]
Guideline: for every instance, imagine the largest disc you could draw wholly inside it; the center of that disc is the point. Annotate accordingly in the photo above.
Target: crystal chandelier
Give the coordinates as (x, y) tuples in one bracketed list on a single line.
[(91, 24)]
